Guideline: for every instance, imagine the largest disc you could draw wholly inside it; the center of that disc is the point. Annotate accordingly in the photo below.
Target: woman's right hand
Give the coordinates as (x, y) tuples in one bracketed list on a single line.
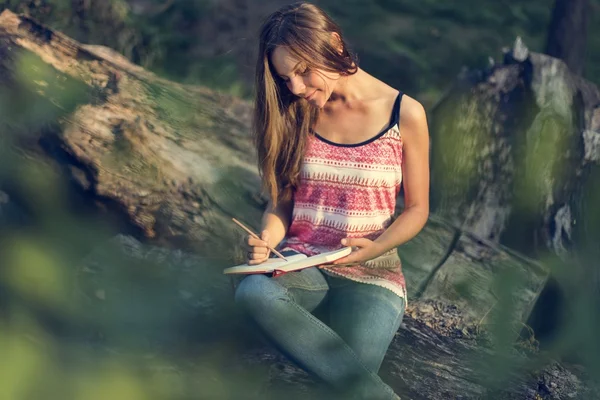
[(257, 251)]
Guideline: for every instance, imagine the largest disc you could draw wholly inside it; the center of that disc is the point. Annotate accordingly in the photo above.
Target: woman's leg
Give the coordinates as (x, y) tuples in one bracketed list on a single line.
[(366, 316), (281, 306)]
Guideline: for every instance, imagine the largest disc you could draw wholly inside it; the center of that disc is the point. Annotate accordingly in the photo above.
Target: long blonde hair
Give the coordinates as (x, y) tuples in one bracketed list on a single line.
[(283, 121)]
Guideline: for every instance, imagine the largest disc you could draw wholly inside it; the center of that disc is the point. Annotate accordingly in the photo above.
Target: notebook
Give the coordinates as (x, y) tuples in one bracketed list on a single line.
[(295, 262)]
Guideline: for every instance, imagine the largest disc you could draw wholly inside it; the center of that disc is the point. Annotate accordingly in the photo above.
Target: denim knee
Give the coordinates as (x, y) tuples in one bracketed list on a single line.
[(256, 292)]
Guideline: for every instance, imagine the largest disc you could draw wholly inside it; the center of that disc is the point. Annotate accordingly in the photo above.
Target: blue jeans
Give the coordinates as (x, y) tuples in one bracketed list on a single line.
[(346, 354)]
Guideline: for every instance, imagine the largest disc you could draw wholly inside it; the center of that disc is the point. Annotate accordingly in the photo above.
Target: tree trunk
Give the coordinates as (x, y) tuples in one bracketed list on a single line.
[(567, 36)]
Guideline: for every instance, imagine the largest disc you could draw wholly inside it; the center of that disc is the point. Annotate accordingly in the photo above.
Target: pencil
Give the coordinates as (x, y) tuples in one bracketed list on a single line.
[(278, 254)]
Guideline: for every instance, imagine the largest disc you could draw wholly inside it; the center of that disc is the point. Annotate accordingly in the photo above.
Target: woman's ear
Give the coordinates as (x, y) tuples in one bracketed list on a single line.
[(336, 42)]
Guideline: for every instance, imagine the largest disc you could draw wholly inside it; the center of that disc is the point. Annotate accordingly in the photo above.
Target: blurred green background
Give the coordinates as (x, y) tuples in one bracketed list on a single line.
[(418, 47), (128, 336)]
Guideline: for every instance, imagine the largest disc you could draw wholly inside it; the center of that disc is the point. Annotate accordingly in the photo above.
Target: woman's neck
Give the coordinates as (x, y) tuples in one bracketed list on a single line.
[(352, 89)]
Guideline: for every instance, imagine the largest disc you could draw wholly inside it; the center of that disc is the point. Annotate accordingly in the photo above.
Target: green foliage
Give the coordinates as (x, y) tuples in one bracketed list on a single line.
[(418, 47)]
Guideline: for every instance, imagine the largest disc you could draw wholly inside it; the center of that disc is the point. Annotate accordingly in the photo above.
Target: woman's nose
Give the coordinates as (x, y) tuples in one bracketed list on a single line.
[(296, 85)]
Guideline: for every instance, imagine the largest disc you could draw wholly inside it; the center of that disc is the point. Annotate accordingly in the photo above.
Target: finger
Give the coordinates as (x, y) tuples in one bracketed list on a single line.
[(258, 252), (356, 242), (249, 258), (255, 249), (254, 242), (258, 261), (251, 249), (342, 260), (259, 245)]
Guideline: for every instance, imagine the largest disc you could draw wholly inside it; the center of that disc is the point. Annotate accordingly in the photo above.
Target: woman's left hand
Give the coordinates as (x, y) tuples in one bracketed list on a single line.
[(364, 250)]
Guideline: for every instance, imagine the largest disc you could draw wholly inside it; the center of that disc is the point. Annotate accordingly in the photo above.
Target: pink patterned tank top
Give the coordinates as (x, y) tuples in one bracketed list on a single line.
[(350, 191)]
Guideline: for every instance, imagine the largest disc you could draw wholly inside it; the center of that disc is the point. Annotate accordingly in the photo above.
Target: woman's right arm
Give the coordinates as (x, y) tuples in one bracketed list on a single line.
[(275, 223)]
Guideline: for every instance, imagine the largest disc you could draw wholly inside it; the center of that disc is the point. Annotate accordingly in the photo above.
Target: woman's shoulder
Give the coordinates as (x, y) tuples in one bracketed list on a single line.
[(411, 110), (413, 117)]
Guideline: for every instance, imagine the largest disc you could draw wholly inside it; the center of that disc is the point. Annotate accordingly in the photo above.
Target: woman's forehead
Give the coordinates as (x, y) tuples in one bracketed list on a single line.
[(283, 60)]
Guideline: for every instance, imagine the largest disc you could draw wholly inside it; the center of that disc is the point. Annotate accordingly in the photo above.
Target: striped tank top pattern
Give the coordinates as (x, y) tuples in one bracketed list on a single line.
[(350, 191)]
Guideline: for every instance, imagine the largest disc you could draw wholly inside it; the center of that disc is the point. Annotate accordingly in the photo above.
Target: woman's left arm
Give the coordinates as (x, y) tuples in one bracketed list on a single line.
[(415, 176)]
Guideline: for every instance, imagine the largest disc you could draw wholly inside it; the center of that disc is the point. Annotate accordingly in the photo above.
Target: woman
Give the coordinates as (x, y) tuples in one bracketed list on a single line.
[(334, 145)]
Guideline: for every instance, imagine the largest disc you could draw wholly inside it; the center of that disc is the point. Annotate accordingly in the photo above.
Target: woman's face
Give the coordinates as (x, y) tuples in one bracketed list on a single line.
[(314, 85)]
